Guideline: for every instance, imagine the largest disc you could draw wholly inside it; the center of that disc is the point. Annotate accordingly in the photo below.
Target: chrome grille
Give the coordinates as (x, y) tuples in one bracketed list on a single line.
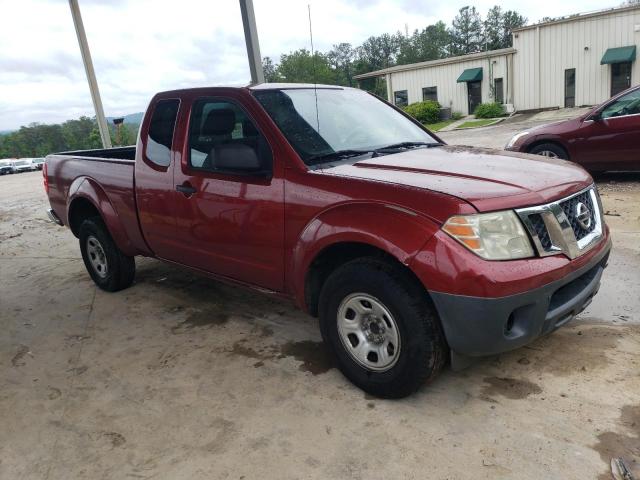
[(541, 230), (569, 208), (570, 226)]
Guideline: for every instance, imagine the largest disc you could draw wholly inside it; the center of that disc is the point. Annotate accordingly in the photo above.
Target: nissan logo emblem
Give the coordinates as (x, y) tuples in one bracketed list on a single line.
[(583, 215)]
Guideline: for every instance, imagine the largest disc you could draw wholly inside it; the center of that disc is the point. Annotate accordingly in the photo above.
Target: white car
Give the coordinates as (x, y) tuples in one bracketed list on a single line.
[(37, 163), (23, 165)]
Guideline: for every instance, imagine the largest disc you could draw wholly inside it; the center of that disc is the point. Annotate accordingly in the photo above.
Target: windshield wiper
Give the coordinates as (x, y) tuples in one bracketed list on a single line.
[(394, 146), (337, 155)]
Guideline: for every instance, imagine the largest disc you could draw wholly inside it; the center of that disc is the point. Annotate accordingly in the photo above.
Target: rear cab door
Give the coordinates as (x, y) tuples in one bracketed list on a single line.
[(156, 151), (228, 190)]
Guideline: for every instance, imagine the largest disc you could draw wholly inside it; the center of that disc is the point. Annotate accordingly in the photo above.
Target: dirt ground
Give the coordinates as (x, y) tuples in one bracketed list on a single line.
[(179, 377)]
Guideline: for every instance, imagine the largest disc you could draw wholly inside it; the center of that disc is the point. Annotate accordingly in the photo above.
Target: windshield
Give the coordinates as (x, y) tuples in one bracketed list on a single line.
[(344, 120), (21, 162)]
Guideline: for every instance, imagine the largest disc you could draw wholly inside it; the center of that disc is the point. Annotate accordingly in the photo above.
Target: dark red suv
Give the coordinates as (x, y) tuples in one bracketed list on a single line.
[(606, 138)]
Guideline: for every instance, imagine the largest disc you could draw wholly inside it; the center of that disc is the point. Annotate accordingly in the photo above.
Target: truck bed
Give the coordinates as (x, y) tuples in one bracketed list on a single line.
[(104, 177)]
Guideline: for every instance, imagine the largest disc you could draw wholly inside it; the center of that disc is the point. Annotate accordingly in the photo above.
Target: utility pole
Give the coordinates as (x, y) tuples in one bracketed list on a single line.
[(251, 39), (91, 75)]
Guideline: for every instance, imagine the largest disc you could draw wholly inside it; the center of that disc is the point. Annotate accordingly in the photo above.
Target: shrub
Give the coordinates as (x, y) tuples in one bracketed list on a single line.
[(489, 110), (424, 112), (456, 116)]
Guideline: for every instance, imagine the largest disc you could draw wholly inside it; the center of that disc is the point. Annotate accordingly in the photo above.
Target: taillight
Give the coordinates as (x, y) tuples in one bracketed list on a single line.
[(45, 178)]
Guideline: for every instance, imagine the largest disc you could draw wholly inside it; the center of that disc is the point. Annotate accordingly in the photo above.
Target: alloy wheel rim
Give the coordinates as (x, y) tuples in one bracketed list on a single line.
[(368, 332), (548, 153), (97, 257)]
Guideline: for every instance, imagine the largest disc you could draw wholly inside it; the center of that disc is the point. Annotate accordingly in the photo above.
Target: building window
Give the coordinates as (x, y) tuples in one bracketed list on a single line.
[(498, 93), (430, 93), (570, 88), (400, 98)]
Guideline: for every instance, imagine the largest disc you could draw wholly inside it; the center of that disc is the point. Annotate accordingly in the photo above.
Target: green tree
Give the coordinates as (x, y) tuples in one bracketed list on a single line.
[(379, 52), (432, 43), (466, 32), (510, 21), (269, 69), (341, 58), (493, 29), (302, 67)]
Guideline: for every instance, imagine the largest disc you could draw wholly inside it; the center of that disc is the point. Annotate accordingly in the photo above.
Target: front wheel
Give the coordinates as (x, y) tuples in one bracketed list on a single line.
[(381, 327), (109, 268), (550, 150)]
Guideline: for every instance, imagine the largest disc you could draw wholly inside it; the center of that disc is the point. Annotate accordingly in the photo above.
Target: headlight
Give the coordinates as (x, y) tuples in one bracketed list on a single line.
[(515, 138), (493, 236)]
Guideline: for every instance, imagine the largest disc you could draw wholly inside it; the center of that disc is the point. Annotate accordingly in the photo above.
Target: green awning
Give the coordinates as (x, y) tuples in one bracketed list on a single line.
[(471, 75), (619, 55)]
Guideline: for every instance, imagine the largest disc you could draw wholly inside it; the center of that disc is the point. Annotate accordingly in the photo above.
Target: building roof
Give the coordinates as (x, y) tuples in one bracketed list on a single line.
[(434, 63), (579, 16)]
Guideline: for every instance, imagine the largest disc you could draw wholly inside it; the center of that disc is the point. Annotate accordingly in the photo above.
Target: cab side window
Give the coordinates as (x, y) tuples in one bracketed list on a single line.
[(223, 139), (628, 104), (160, 138)]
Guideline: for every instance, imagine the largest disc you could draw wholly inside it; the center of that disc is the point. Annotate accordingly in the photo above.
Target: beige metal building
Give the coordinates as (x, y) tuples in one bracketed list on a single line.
[(579, 60)]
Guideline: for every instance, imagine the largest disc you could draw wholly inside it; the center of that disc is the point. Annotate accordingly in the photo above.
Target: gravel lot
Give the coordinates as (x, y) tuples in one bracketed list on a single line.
[(179, 377)]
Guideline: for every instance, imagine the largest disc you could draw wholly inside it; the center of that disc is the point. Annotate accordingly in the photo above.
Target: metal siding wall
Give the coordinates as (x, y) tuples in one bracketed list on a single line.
[(562, 46), (450, 93)]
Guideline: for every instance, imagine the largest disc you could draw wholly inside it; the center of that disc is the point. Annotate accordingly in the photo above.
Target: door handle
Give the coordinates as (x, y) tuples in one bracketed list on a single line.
[(186, 189)]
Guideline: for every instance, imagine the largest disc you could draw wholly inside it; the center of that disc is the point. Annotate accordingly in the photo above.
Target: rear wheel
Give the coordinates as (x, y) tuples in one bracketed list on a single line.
[(550, 150), (109, 268), (381, 328)]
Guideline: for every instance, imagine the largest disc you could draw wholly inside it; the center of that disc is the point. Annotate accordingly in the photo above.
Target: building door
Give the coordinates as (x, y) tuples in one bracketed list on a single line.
[(570, 88), (620, 77), (474, 91), (499, 90)]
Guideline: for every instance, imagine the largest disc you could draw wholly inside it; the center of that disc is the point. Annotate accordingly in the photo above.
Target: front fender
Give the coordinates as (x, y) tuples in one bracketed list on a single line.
[(88, 189), (395, 230)]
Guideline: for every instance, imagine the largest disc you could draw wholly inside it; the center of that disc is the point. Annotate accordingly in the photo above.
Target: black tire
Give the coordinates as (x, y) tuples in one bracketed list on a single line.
[(552, 148), (423, 349), (120, 269)]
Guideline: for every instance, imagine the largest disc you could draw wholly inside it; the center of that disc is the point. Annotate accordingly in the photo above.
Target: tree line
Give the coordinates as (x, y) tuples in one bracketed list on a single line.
[(39, 140), (468, 33)]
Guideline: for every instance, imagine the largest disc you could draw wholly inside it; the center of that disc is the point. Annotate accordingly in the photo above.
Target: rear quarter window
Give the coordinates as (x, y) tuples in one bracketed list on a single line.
[(161, 127)]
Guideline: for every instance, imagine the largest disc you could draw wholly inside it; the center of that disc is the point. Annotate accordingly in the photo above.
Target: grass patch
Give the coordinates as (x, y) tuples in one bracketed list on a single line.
[(478, 123), (434, 127)]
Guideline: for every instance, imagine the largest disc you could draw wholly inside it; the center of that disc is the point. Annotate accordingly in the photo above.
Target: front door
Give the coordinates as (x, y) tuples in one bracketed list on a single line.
[(474, 91), (612, 140), (570, 88), (620, 77), (229, 216), (499, 90)]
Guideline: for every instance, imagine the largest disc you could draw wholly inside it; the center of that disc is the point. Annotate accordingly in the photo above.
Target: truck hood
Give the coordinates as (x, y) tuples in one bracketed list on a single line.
[(488, 179)]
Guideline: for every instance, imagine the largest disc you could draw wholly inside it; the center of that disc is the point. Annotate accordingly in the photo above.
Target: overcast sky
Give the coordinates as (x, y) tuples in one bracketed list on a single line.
[(140, 47)]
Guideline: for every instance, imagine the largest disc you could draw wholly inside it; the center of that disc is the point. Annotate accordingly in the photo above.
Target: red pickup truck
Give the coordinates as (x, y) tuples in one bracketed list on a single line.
[(408, 250)]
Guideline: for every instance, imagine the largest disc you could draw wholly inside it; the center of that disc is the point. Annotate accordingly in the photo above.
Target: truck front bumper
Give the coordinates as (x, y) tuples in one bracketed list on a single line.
[(479, 326)]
